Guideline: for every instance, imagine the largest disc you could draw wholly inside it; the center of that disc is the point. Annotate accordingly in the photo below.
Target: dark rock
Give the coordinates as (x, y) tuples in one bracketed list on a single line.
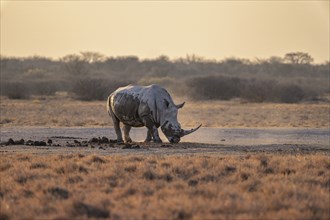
[(10, 142), (136, 146), (113, 141), (39, 143), (104, 140), (127, 146), (29, 142), (166, 145), (70, 145), (101, 148), (49, 141), (20, 142), (93, 140)]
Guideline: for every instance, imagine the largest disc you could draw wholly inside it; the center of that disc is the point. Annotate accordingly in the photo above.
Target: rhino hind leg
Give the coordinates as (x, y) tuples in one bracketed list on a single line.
[(127, 129), (149, 136), (117, 127)]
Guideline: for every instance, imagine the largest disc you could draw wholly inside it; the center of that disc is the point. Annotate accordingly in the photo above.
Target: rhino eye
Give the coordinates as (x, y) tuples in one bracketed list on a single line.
[(166, 103)]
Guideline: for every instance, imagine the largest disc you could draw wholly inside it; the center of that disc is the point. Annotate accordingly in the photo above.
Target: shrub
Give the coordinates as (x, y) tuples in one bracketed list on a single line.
[(290, 93), (253, 90), (88, 89), (215, 87), (15, 90)]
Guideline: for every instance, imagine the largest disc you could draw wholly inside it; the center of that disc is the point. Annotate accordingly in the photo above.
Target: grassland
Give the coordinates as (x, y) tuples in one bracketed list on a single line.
[(251, 186), (58, 111)]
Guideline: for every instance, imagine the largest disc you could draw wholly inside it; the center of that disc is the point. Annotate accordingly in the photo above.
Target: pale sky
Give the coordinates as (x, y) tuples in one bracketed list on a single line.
[(148, 29)]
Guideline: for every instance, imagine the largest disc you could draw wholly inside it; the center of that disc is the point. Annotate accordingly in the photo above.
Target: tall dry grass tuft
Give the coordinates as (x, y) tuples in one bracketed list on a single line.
[(76, 186)]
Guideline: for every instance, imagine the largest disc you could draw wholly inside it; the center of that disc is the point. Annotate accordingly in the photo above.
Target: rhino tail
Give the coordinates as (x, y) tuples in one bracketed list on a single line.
[(108, 105)]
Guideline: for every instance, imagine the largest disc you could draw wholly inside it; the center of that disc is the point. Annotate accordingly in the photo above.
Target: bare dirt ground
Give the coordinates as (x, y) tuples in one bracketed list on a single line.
[(204, 141), (61, 111)]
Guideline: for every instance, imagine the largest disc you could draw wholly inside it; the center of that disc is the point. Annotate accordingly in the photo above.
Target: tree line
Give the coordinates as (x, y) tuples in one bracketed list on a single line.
[(92, 76)]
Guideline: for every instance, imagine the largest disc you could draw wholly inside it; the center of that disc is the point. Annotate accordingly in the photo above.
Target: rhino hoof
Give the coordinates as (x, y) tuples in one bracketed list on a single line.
[(128, 141), (158, 141), (120, 141)]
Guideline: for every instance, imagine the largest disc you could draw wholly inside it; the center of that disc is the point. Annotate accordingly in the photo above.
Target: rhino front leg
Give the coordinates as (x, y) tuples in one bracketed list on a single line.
[(127, 129), (155, 135), (152, 129)]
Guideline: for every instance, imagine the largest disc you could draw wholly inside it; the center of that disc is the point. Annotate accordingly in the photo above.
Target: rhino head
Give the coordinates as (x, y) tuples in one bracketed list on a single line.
[(170, 126)]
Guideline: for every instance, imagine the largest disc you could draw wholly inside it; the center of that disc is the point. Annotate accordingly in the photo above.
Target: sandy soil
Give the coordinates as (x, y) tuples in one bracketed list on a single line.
[(64, 112)]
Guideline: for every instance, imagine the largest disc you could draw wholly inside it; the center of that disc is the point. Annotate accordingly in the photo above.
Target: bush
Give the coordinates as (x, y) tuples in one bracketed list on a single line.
[(253, 90), (43, 88), (215, 87), (20, 90), (15, 90), (290, 93), (88, 89), (259, 90)]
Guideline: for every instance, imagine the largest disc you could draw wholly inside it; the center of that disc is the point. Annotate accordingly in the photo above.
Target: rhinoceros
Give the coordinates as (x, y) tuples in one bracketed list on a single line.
[(150, 106)]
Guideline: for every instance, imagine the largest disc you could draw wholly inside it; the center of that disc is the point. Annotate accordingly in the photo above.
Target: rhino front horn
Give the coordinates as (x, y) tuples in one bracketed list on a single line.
[(186, 132)]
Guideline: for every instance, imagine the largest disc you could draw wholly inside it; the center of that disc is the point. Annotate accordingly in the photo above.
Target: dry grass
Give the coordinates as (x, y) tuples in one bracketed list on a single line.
[(258, 186), (62, 111)]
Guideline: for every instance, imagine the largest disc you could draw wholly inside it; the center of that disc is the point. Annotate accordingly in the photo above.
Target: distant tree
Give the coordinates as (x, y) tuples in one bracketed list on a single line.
[(92, 57), (74, 64), (275, 60), (298, 58), (193, 58)]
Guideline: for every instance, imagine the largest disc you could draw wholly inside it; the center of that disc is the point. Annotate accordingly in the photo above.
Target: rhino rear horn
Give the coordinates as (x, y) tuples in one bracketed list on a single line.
[(180, 105), (186, 132)]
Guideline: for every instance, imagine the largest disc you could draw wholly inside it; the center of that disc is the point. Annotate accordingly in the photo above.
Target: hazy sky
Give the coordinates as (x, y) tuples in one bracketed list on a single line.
[(212, 29)]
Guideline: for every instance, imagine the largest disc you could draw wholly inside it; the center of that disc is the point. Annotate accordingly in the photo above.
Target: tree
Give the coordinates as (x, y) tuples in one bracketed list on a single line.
[(298, 58), (275, 60), (75, 65), (92, 57)]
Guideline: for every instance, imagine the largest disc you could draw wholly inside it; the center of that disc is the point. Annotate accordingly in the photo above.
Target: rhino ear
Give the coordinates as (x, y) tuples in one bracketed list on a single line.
[(180, 105)]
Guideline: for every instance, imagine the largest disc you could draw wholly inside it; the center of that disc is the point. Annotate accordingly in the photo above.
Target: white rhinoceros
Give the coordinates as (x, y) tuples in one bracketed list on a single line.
[(150, 106)]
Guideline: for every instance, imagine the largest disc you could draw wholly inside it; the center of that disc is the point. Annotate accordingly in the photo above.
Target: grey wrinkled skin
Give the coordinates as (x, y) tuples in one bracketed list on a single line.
[(149, 106)]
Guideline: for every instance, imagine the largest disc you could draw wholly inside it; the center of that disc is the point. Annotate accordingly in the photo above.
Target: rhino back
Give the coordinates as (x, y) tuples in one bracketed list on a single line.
[(131, 102), (126, 108)]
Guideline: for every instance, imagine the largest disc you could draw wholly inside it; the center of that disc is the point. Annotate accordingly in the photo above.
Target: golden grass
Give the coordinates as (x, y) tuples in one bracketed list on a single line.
[(258, 186), (62, 111)]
